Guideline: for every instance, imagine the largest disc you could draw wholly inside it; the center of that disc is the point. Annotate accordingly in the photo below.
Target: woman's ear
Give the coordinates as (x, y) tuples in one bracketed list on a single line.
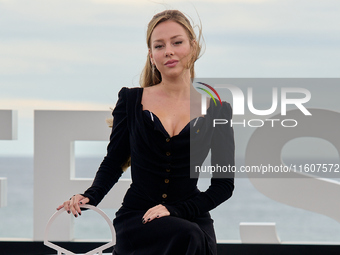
[(194, 46)]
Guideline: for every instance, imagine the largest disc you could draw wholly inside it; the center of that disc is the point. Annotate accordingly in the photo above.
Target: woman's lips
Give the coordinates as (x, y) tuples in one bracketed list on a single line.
[(171, 63)]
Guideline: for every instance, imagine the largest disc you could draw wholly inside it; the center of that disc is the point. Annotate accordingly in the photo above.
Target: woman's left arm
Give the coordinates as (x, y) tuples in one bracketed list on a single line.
[(222, 183)]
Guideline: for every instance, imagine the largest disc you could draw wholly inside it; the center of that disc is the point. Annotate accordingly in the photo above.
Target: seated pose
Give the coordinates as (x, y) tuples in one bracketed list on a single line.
[(156, 132)]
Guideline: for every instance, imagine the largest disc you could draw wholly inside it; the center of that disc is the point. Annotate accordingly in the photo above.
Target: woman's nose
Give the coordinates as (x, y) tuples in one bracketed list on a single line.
[(168, 51)]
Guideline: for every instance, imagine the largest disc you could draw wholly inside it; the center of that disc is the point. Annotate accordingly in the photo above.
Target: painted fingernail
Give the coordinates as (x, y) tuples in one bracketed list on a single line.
[(81, 203), (149, 219), (79, 214), (143, 221), (68, 212), (75, 215)]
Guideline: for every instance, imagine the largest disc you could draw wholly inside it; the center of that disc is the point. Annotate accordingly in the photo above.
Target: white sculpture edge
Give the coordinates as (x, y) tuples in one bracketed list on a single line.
[(61, 250)]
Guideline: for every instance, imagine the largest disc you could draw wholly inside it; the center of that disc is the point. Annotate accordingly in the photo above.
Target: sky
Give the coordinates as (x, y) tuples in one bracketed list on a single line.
[(77, 54)]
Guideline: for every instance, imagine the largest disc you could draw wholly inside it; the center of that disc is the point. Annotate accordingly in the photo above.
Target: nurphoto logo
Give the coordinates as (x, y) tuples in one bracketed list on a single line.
[(211, 88), (302, 96)]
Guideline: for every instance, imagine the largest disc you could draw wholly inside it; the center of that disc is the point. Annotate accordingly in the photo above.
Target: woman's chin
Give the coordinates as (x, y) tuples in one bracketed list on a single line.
[(176, 74)]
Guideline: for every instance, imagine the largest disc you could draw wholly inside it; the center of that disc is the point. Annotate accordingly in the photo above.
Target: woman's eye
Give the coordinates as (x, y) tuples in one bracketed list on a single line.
[(158, 46), (179, 42)]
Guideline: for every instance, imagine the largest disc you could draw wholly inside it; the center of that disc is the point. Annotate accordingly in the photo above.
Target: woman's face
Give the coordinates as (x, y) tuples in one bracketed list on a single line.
[(170, 49)]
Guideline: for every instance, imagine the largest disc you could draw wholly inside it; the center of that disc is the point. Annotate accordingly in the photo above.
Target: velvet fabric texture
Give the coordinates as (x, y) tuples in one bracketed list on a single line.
[(160, 172)]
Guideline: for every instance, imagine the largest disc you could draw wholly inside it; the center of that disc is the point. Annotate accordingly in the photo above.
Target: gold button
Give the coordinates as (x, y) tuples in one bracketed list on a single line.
[(166, 180), (168, 139), (167, 170), (168, 153), (164, 195)]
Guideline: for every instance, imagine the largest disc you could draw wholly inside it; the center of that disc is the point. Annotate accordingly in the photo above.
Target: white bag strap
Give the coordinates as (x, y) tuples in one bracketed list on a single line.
[(61, 250)]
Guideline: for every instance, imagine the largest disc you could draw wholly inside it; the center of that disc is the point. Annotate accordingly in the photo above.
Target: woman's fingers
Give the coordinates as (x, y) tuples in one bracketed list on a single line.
[(157, 211), (84, 200), (60, 206), (67, 206), (75, 209), (73, 205)]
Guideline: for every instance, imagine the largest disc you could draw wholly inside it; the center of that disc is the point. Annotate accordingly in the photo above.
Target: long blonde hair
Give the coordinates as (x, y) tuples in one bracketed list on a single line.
[(151, 76)]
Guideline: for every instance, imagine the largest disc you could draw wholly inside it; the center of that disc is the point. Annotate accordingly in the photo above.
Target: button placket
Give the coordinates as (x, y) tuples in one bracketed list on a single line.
[(168, 153)]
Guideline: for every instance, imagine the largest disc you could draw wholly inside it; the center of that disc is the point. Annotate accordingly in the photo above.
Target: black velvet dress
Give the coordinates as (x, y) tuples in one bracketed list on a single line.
[(160, 172)]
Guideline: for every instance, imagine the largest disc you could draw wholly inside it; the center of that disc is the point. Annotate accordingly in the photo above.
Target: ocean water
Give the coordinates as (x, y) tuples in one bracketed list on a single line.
[(246, 205)]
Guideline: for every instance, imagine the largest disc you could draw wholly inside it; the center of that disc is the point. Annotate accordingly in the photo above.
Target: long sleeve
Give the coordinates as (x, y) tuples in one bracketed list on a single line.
[(118, 152), (222, 184)]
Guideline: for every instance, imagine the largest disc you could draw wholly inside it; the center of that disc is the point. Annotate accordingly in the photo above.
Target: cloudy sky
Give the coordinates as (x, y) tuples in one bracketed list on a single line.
[(77, 54)]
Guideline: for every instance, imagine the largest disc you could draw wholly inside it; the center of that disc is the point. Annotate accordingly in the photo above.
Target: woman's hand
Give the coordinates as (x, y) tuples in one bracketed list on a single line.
[(157, 211), (72, 205)]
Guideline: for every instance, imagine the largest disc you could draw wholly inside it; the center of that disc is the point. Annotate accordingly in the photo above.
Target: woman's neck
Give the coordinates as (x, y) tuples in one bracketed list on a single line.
[(178, 87)]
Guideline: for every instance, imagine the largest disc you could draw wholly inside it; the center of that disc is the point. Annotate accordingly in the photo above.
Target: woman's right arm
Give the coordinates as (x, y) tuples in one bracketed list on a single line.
[(110, 170)]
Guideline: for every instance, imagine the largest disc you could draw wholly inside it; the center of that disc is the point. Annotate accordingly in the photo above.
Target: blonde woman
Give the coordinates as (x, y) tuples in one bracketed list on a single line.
[(163, 212)]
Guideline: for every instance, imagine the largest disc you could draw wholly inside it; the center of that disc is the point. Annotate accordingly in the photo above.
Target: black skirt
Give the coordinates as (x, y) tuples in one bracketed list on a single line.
[(168, 235)]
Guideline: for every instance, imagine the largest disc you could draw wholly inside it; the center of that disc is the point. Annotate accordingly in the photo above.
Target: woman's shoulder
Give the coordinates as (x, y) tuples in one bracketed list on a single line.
[(217, 107), (127, 93), (130, 90), (154, 91)]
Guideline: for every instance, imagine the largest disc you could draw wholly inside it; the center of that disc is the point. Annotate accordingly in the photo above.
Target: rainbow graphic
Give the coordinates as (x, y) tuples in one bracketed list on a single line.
[(207, 91)]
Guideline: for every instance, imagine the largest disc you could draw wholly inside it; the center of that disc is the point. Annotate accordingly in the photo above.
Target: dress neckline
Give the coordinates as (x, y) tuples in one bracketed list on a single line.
[(159, 120), (163, 128)]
